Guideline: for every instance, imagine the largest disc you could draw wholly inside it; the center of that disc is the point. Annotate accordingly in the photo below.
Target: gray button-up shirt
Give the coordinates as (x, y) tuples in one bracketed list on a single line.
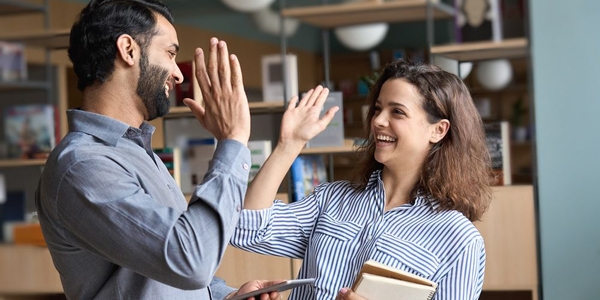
[(117, 225)]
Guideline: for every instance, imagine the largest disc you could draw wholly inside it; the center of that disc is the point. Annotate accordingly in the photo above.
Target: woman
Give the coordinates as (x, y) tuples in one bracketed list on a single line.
[(424, 176)]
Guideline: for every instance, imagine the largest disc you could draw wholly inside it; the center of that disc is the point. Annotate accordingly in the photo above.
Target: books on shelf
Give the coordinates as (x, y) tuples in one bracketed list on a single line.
[(259, 152), (497, 136), (333, 135), (307, 171), (377, 281), (171, 157), (30, 130)]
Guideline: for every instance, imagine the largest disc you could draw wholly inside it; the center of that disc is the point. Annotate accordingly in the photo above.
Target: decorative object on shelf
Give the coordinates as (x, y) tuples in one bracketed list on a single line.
[(478, 20), (272, 77), (495, 74), (517, 121), (362, 37), (247, 5), (2, 189), (269, 21), (333, 135), (497, 136), (452, 66)]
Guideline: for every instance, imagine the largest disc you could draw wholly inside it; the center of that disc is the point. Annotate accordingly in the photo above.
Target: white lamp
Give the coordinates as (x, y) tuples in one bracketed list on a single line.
[(268, 21), (247, 5), (494, 74), (361, 37), (451, 65)]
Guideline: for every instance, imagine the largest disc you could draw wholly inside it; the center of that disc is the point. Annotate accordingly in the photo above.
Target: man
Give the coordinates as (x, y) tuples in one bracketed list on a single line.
[(115, 222)]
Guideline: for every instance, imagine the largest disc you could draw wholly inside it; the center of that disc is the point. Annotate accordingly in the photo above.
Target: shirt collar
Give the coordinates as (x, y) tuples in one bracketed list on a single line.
[(108, 129)]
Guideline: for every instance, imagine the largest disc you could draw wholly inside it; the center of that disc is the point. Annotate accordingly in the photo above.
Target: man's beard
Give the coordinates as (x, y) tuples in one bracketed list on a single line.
[(151, 88)]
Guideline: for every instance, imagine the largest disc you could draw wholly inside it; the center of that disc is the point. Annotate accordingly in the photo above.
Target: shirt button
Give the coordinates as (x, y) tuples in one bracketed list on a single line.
[(238, 208), (369, 237), (245, 166)]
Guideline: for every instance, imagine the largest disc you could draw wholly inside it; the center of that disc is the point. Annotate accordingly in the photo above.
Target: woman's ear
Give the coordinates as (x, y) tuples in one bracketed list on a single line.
[(126, 47), (439, 130)]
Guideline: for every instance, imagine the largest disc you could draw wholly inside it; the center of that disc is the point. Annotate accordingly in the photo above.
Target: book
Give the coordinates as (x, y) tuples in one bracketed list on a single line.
[(497, 135), (307, 171), (259, 152), (13, 65), (189, 87), (30, 130), (333, 135), (377, 281)]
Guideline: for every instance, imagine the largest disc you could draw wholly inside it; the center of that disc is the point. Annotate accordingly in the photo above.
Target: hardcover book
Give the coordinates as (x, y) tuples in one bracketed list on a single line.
[(377, 281), (497, 136), (259, 152)]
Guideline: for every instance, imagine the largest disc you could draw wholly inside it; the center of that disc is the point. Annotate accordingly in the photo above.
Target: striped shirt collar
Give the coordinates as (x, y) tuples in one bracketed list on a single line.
[(375, 182)]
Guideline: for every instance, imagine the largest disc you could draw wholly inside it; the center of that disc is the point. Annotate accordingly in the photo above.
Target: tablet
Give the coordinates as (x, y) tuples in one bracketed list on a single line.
[(286, 285)]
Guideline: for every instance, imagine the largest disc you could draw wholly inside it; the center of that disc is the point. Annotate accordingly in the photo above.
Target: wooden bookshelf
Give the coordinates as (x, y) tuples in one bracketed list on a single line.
[(8, 163), (255, 108), (348, 147), (18, 7), (51, 38), (23, 85), (345, 14), (472, 51)]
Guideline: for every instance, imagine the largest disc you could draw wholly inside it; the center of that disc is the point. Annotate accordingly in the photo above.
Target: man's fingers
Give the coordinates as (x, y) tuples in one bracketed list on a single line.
[(322, 97), (224, 67), (213, 64), (201, 74), (237, 81), (314, 96)]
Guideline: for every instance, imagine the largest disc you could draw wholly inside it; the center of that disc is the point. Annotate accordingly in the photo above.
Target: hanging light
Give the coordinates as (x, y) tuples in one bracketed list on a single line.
[(247, 5), (452, 65), (362, 37), (268, 21), (494, 74)]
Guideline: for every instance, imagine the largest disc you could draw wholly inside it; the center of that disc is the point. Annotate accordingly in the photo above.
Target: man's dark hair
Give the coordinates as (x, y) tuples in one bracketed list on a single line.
[(93, 48)]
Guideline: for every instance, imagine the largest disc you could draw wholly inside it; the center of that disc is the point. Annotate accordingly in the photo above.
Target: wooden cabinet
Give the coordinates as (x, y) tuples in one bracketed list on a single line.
[(509, 231)]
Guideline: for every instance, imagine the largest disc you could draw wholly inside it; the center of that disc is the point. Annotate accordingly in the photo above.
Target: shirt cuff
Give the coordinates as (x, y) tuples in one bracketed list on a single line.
[(257, 219), (233, 157)]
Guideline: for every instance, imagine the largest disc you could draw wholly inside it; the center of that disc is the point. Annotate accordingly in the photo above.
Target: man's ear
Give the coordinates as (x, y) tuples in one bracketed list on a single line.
[(126, 49), (439, 130)]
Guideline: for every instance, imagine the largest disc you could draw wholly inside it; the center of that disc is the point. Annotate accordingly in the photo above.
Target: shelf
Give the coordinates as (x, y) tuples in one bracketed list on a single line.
[(255, 108), (15, 7), (52, 39), (23, 85), (345, 14), (472, 51), (348, 147), (7, 163)]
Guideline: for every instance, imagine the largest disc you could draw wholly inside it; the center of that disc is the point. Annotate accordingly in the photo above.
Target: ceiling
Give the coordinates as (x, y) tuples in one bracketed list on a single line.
[(214, 15)]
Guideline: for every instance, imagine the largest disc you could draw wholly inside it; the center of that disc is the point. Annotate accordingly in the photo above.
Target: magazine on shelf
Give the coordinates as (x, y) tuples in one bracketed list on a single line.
[(29, 130)]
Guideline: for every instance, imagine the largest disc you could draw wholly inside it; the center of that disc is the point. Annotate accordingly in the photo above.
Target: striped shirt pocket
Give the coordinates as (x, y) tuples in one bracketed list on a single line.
[(406, 255)]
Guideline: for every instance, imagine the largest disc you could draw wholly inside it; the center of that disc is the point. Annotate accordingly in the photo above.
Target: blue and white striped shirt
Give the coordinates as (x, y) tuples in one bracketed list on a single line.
[(336, 229)]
